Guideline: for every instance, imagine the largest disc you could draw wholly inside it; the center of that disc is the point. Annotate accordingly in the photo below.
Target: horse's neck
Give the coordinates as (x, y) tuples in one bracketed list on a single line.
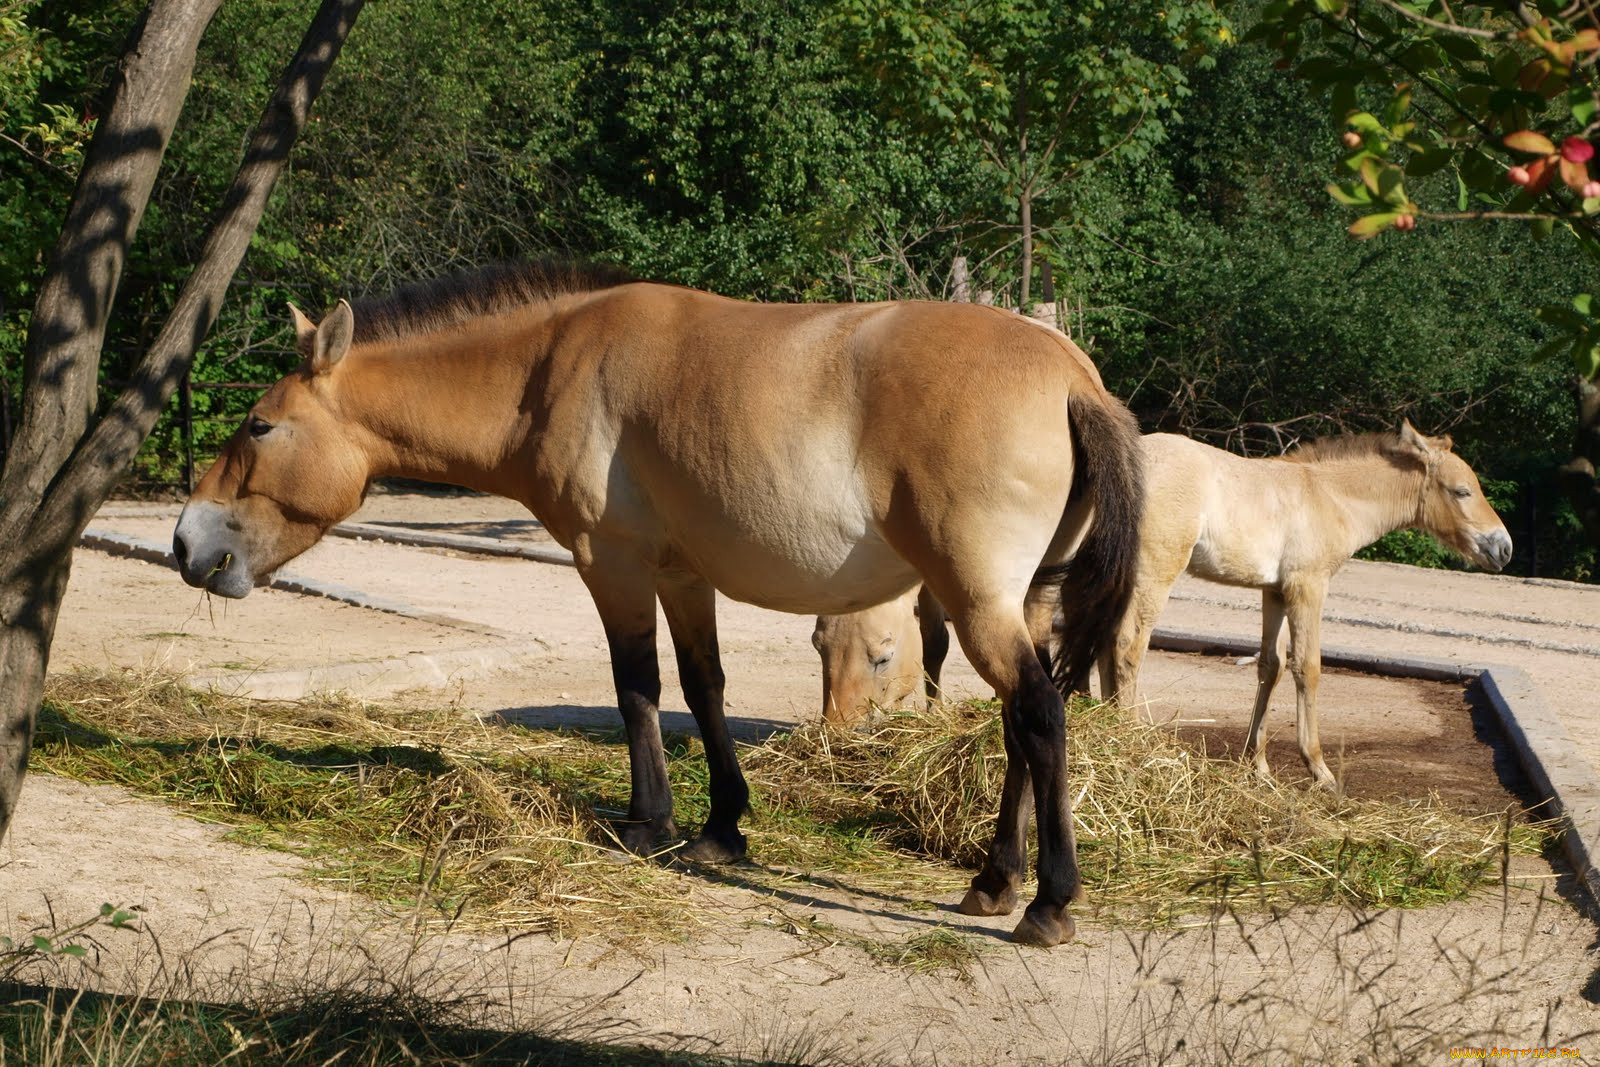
[(447, 408), (1374, 496)]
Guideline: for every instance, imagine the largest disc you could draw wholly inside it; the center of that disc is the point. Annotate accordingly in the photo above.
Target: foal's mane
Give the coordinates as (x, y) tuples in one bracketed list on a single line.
[(1350, 446), (436, 303)]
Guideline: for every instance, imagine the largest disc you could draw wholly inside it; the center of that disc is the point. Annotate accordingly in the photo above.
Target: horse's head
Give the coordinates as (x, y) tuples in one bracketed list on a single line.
[(1453, 507), (868, 657), (292, 470)]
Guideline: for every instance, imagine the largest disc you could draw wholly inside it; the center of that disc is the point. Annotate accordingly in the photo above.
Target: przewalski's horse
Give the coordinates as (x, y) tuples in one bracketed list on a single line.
[(804, 457), (1281, 525)]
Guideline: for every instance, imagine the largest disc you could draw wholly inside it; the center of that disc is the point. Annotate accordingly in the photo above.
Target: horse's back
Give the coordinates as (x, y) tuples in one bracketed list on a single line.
[(801, 456), (1245, 513)]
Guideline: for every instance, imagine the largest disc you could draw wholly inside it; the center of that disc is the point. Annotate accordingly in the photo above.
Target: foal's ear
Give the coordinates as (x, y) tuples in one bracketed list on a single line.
[(1411, 439), (305, 331), (333, 338)]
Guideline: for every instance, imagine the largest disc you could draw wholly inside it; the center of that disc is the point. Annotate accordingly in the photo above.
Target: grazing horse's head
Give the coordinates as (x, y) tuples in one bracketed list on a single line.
[(868, 657), (1453, 507), (292, 470)]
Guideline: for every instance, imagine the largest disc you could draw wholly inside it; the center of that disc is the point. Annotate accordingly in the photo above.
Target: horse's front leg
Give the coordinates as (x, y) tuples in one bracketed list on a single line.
[(1304, 600), (624, 591), (691, 609), (1269, 668)]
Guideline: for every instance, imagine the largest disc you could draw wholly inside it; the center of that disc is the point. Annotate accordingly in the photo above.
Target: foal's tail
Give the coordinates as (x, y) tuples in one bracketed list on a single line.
[(1098, 583)]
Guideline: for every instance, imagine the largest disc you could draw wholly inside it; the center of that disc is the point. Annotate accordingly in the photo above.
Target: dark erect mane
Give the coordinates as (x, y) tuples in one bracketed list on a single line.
[(440, 302), (1347, 446)]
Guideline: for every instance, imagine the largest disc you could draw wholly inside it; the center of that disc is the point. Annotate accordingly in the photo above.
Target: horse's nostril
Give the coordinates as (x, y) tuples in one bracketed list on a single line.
[(180, 551)]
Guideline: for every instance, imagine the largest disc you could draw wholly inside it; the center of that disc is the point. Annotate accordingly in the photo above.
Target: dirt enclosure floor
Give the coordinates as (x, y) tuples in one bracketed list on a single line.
[(521, 639)]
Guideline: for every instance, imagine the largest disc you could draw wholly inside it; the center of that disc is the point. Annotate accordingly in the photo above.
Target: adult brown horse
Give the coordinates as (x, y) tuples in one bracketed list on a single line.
[(806, 457)]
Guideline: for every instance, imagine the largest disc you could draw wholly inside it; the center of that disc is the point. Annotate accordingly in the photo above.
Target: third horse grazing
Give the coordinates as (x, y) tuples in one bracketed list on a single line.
[(804, 457), (1281, 525)]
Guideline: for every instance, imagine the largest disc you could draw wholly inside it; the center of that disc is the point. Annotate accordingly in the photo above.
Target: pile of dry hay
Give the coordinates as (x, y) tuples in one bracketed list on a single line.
[(1162, 829), (441, 811)]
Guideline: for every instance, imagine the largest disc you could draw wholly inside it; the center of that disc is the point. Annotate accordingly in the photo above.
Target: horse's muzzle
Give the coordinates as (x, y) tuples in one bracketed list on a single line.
[(209, 555), (1495, 550)]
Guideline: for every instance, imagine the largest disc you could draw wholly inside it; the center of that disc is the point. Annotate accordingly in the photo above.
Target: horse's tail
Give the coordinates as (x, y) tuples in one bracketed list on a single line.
[(1098, 583)]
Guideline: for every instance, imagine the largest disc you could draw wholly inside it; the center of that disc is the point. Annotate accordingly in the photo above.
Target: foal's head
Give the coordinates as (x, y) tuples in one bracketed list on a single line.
[(1453, 507), (868, 657), (293, 469)]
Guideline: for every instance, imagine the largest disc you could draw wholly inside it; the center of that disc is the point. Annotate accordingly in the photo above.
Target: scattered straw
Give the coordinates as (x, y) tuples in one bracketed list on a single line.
[(451, 816)]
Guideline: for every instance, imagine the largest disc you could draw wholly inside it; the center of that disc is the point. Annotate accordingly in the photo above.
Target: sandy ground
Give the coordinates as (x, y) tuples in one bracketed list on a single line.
[(1494, 966)]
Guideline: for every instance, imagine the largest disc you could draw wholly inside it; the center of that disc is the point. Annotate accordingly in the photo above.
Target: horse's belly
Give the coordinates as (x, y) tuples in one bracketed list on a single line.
[(820, 574)]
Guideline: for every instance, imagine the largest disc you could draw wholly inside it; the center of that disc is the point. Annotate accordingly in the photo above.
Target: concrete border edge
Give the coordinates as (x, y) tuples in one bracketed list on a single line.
[(1539, 738)]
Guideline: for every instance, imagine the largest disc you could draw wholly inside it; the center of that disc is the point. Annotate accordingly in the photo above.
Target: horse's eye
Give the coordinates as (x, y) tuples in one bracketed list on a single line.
[(1462, 491), (259, 427)]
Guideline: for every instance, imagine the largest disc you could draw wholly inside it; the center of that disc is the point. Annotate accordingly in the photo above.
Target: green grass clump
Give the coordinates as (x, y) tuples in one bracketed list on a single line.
[(55, 1027)]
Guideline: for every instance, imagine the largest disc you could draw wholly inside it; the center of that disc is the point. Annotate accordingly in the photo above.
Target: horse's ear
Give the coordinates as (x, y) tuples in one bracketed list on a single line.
[(305, 331), (333, 338), (1411, 439)]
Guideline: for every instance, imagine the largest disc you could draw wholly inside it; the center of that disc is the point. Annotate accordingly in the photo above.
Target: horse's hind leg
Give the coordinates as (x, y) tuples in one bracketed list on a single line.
[(994, 888), (997, 644), (1269, 668), (1304, 602), (690, 606), (623, 588)]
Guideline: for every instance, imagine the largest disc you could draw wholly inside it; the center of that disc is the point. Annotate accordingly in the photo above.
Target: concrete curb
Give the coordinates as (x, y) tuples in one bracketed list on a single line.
[(487, 546), (372, 678), (1540, 739)]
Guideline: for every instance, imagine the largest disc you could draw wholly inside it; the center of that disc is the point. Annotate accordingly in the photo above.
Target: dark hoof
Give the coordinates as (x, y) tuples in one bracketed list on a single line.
[(1045, 928), (641, 838), (982, 902), (712, 847)]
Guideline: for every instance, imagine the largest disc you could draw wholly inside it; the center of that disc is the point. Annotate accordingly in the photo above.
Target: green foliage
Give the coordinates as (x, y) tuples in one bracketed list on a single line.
[(1045, 89), (1501, 101), (793, 151), (54, 946)]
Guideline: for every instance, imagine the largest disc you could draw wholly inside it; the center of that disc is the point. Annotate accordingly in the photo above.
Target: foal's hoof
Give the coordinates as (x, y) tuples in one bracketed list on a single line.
[(1044, 927), (713, 847), (982, 902)]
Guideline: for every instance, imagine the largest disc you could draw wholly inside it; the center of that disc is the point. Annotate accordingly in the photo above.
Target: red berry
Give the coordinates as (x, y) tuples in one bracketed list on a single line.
[(1518, 175), (1351, 139), (1405, 223), (1576, 150)]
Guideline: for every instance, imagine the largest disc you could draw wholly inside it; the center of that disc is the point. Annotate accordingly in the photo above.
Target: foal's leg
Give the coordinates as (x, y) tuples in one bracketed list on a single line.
[(690, 606), (931, 621), (997, 644), (1269, 668), (1161, 560), (1304, 602), (624, 592)]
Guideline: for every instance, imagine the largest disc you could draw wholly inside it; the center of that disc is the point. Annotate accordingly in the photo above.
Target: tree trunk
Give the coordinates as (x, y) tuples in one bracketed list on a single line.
[(1577, 477), (61, 470), (1024, 193)]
